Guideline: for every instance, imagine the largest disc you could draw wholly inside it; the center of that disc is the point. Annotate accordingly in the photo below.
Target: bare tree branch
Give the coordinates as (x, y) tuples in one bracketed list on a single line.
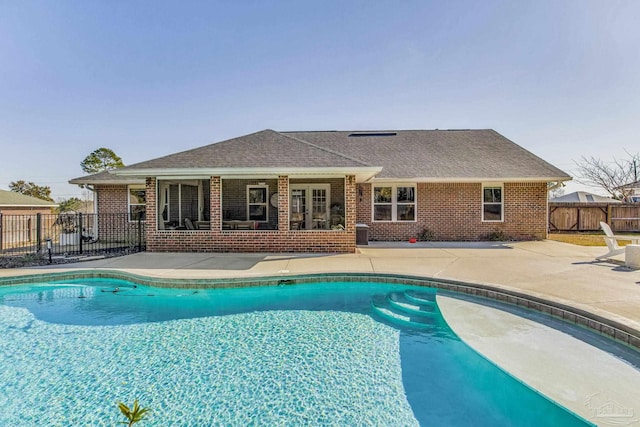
[(613, 177)]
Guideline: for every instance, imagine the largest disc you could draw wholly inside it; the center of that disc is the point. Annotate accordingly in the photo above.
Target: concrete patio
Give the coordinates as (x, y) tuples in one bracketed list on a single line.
[(551, 270)]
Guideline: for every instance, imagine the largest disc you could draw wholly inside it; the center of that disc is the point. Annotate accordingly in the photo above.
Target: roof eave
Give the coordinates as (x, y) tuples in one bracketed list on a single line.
[(362, 173), (106, 181), (474, 179)]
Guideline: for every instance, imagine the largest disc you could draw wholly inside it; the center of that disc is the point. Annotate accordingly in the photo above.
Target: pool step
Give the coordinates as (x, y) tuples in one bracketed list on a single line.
[(421, 298), (399, 302), (399, 318), (397, 309)]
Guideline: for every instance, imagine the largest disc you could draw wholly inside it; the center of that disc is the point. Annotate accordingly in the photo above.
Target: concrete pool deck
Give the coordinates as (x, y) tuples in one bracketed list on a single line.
[(558, 272), (583, 382)]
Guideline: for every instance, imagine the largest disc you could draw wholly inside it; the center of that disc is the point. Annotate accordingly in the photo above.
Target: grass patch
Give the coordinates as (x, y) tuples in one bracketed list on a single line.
[(583, 239)]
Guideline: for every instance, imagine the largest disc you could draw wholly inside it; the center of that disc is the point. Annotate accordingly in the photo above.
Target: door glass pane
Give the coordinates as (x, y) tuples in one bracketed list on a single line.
[(298, 208), (319, 208), (298, 201)]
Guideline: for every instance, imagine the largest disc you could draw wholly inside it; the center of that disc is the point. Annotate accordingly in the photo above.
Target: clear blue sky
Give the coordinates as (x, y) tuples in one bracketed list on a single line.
[(149, 78)]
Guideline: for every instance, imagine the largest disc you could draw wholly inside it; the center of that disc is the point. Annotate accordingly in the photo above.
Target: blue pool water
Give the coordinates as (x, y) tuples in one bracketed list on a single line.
[(313, 354)]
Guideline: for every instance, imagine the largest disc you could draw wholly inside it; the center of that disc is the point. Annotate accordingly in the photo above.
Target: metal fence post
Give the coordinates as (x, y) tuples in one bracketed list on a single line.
[(139, 233), (80, 238), (1, 231), (38, 232)]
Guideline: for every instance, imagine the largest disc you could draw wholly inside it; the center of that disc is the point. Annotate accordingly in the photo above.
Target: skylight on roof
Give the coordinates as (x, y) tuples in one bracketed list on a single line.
[(374, 134)]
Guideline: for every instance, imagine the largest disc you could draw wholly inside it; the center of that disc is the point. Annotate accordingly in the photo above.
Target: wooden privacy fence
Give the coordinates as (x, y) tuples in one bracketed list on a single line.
[(587, 216)]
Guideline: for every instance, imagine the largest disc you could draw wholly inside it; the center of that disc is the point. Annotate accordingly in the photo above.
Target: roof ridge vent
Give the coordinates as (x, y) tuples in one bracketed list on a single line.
[(372, 134)]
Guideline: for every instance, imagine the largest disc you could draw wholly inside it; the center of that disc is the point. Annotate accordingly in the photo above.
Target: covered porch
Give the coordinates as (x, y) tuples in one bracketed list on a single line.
[(252, 213)]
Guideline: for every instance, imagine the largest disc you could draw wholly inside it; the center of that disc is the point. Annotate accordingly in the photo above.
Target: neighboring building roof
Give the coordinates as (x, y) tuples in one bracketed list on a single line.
[(583, 197), (415, 155), (631, 185), (13, 199), (105, 178)]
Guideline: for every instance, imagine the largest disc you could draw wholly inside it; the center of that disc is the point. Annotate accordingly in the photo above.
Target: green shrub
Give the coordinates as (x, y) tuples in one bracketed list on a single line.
[(496, 236), (426, 235)]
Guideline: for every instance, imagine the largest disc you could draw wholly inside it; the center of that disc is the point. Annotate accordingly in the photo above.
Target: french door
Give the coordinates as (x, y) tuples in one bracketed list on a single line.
[(310, 206)]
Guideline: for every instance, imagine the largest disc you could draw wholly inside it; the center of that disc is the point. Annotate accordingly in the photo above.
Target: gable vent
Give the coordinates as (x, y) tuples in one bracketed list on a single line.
[(374, 134)]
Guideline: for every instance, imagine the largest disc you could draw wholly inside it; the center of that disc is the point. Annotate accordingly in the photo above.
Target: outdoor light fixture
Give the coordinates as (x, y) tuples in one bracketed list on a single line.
[(49, 249)]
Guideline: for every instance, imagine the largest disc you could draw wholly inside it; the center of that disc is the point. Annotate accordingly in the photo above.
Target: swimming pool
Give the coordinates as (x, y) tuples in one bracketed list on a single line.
[(312, 354)]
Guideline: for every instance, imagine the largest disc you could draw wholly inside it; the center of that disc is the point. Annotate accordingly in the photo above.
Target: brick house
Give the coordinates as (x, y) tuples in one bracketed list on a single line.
[(306, 191), (18, 213)]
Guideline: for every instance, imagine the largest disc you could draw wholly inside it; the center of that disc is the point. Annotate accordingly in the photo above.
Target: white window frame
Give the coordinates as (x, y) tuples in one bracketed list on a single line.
[(485, 185), (394, 201), (265, 203), (129, 204)]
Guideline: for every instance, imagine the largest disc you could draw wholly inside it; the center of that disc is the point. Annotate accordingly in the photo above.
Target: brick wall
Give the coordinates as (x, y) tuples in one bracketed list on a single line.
[(112, 198), (113, 207), (453, 211)]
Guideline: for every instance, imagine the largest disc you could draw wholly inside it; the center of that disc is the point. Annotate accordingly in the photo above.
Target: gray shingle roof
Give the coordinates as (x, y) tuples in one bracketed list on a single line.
[(105, 177), (11, 198), (458, 154), (406, 154), (266, 149), (583, 197)]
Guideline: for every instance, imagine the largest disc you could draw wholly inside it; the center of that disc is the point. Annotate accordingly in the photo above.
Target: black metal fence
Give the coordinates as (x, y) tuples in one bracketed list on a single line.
[(70, 234)]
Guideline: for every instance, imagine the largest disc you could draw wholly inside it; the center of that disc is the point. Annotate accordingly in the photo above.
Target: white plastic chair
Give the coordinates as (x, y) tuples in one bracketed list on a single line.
[(612, 242)]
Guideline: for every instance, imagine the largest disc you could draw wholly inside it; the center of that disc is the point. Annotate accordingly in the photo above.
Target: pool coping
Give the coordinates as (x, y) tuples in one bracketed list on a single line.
[(610, 328)]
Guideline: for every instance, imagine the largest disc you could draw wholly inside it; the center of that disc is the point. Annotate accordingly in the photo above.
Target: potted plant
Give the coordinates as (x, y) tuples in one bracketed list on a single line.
[(337, 217)]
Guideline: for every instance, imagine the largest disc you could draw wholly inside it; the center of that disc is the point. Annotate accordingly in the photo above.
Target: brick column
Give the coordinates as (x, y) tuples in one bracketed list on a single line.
[(350, 202), (215, 207), (283, 203), (151, 223)]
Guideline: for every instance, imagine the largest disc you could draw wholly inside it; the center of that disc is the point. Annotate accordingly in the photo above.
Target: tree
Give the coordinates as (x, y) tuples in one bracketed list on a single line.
[(556, 191), (102, 159), (612, 177), (31, 189), (69, 205)]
